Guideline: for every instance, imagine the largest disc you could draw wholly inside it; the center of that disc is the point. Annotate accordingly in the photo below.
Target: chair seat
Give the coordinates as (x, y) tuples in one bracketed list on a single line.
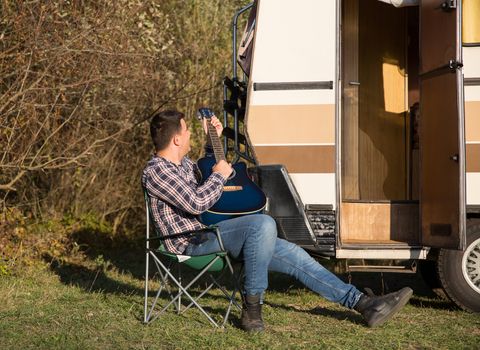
[(197, 262)]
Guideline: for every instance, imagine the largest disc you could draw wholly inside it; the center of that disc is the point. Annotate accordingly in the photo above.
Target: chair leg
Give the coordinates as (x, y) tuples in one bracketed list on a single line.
[(232, 300), (236, 288), (163, 285), (235, 280), (176, 299), (230, 297), (147, 259), (163, 282), (183, 290), (179, 310), (198, 297)]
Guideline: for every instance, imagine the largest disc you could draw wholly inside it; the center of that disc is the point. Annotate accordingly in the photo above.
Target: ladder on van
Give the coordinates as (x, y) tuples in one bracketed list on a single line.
[(234, 104)]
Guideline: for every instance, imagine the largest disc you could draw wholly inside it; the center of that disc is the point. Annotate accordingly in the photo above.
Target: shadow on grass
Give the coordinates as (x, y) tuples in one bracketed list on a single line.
[(127, 256), (102, 252), (379, 284), (91, 280), (341, 315), (97, 281), (382, 283), (438, 303)]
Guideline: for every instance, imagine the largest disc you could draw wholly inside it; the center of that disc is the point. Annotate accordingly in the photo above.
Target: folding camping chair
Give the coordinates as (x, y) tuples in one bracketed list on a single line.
[(205, 265)]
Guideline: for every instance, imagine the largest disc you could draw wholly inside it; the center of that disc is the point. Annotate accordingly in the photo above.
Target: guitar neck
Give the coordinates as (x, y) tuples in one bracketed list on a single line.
[(215, 142)]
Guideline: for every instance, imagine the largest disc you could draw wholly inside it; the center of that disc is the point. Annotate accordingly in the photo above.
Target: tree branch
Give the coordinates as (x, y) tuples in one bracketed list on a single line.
[(9, 186)]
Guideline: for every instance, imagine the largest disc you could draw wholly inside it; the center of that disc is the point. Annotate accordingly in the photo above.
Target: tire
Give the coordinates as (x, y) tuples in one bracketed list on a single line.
[(459, 272), (429, 273)]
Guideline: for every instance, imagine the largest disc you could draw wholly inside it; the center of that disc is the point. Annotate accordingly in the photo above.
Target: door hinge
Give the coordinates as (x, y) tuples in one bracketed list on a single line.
[(454, 64), (449, 5)]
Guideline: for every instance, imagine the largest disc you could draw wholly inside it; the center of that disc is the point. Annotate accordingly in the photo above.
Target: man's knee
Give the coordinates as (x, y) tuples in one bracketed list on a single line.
[(267, 226)]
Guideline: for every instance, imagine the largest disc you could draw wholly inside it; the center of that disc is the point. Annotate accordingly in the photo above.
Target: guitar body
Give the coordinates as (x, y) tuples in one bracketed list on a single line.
[(241, 196)]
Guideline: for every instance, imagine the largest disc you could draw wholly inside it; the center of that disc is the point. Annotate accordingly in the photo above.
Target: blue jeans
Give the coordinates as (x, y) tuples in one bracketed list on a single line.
[(253, 239)]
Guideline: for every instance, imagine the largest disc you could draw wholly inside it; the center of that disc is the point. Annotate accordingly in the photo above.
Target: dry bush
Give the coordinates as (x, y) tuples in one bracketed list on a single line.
[(78, 80)]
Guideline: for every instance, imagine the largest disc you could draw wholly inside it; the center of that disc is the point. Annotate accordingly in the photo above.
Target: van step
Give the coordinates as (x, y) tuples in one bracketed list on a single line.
[(412, 268), (322, 220)]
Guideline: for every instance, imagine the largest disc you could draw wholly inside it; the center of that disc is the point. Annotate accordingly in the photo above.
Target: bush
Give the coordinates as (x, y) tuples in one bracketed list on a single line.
[(79, 81)]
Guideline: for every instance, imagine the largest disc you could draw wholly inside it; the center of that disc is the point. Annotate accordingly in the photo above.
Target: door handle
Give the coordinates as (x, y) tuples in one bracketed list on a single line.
[(356, 83), (454, 158)]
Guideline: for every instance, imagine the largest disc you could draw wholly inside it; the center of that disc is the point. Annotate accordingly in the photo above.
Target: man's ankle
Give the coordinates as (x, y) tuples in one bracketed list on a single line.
[(251, 319), (360, 305)]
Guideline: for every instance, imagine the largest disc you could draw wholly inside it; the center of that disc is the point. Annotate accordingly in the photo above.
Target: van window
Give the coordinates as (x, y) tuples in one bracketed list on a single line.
[(471, 24)]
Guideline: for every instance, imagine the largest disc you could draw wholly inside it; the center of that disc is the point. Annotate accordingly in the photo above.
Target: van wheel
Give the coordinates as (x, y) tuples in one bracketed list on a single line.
[(459, 272)]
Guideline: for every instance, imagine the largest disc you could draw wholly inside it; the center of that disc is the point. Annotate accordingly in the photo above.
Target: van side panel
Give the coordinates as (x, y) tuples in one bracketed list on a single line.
[(471, 60), (295, 125)]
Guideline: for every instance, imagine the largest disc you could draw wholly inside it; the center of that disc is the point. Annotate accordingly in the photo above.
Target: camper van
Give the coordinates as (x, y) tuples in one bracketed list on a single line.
[(361, 122)]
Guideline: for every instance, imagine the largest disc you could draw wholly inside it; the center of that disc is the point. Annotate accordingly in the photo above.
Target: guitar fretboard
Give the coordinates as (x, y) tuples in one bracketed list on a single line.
[(215, 142)]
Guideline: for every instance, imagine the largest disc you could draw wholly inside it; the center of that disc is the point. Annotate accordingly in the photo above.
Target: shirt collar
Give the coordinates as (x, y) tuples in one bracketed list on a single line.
[(157, 158)]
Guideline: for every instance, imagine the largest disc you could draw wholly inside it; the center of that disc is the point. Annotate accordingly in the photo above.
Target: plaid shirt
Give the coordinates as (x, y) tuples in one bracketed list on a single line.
[(176, 198)]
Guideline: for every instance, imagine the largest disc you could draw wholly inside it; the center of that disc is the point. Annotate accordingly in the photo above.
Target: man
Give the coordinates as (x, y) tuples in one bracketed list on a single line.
[(177, 198)]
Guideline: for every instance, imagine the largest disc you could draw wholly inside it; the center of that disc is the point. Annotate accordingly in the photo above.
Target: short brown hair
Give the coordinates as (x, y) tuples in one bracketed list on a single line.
[(163, 126)]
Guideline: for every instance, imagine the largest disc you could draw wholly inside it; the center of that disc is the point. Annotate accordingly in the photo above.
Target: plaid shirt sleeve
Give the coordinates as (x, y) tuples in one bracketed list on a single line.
[(168, 185)]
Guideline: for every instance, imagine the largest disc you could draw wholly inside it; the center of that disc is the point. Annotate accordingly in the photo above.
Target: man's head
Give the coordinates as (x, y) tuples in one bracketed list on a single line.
[(169, 130)]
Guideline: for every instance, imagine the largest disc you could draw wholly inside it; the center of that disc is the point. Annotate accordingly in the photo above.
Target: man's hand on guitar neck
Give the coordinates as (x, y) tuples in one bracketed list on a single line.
[(223, 168), (216, 124)]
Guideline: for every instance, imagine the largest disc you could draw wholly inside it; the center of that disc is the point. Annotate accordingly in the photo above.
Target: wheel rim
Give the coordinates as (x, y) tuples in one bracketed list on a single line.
[(471, 265)]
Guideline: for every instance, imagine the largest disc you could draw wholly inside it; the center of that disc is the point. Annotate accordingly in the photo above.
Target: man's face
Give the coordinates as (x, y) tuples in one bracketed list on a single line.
[(184, 137)]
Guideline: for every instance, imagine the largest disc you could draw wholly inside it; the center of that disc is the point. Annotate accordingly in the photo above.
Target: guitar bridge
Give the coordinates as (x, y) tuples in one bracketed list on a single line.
[(232, 188)]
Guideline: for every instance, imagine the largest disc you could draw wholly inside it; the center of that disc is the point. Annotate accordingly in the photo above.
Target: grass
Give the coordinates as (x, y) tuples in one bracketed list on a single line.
[(97, 303)]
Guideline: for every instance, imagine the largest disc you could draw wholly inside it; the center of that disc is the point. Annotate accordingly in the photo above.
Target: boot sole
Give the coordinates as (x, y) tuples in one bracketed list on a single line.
[(405, 295)]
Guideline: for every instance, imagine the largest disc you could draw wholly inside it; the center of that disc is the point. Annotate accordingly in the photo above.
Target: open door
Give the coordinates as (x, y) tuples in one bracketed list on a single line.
[(442, 139)]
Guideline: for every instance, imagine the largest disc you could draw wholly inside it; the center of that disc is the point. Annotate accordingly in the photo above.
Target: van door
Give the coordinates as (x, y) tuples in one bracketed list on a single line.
[(442, 139)]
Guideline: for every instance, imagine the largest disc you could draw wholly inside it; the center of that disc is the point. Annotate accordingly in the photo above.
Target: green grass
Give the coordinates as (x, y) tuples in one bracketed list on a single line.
[(98, 304)]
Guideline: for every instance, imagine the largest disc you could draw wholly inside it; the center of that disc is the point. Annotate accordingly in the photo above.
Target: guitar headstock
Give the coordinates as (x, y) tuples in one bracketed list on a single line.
[(204, 112)]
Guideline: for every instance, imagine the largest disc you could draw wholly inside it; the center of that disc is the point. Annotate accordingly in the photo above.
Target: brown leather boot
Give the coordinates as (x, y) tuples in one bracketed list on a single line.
[(251, 319), (376, 310)]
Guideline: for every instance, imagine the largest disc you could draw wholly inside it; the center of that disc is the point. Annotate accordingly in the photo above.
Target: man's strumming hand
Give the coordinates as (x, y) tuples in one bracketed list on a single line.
[(223, 168)]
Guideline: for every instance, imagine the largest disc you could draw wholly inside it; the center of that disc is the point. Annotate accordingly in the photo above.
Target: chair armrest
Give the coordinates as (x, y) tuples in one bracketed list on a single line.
[(210, 228)]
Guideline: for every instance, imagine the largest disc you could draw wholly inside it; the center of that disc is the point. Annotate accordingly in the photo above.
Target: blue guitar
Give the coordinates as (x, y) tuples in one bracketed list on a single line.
[(241, 196)]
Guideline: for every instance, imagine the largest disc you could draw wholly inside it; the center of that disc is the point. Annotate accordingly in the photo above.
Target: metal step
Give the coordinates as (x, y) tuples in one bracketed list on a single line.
[(410, 268), (322, 220)]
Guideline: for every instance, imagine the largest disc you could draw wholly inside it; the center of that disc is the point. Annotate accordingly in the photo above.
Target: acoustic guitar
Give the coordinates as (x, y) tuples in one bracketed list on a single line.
[(241, 196)]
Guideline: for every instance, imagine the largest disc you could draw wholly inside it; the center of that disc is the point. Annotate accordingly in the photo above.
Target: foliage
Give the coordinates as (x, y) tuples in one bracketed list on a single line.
[(25, 242), (79, 80)]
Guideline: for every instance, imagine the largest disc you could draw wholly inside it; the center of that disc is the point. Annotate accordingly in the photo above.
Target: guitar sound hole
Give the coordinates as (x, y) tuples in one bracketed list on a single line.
[(232, 175)]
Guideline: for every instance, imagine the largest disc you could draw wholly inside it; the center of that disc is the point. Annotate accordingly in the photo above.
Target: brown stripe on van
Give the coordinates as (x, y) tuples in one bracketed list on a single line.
[(472, 121), (299, 159), (291, 124), (473, 158)]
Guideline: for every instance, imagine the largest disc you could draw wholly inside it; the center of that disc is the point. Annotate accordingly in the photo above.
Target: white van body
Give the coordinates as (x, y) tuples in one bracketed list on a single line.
[(373, 112)]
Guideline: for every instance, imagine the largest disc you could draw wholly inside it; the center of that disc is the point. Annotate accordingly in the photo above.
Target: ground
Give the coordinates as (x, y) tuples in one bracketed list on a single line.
[(98, 304)]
